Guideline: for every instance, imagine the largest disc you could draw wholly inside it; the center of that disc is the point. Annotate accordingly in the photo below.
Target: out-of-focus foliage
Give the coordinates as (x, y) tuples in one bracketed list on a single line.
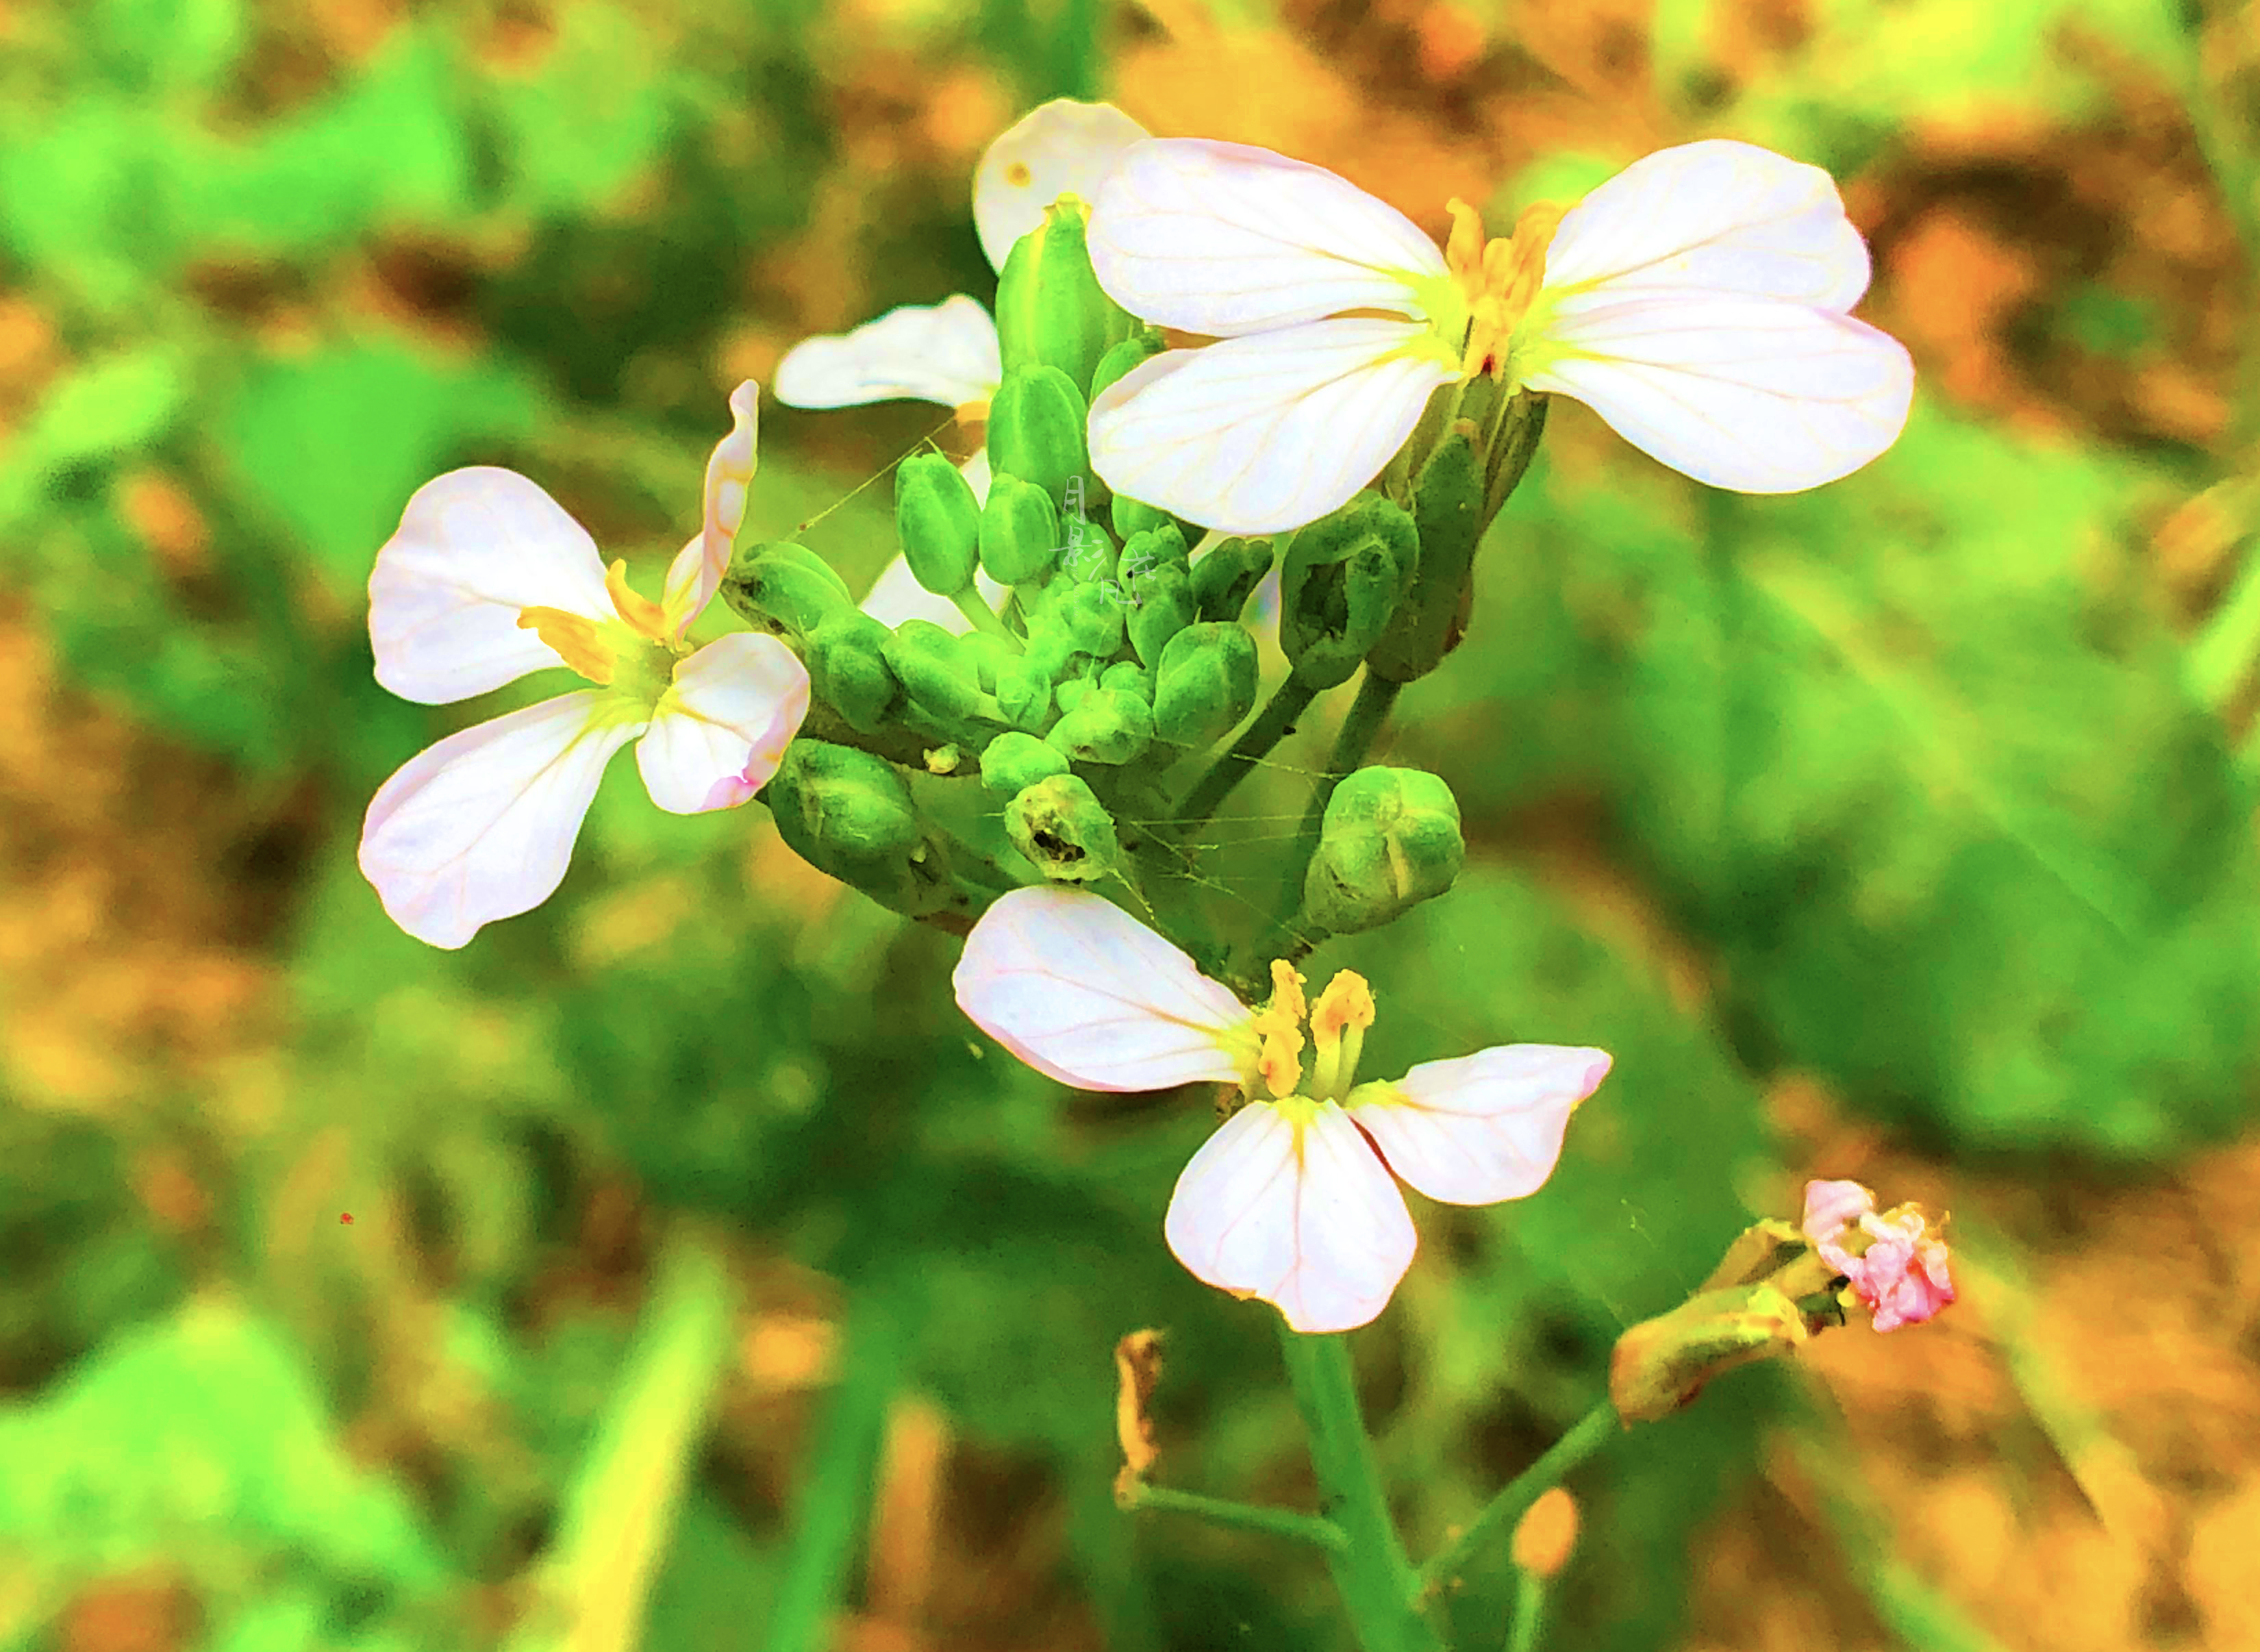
[(1904, 787)]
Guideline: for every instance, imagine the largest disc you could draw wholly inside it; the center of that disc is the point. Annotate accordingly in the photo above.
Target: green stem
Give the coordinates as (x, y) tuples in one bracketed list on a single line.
[(1377, 1581), (1273, 724), (1247, 1516), (1376, 696), (1529, 1612), (985, 620), (2221, 655), (1594, 1430)]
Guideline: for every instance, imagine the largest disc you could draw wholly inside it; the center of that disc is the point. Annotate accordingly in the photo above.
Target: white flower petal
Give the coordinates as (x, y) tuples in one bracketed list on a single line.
[(1063, 148), (1086, 994), (480, 826), (1717, 216), (691, 583), (1225, 239), (1483, 1127), (722, 726), (474, 547), (977, 475), (896, 596), (1741, 393), (943, 353), (1303, 1216), (1258, 435)]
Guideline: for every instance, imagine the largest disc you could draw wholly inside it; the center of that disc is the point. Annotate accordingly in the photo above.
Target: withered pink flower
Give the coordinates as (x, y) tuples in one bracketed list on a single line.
[(1895, 1260)]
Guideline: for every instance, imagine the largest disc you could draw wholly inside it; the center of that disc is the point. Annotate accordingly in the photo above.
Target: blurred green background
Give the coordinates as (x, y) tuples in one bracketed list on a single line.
[(566, 1291)]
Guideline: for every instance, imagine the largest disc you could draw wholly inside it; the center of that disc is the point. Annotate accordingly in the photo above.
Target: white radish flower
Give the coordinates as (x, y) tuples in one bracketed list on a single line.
[(1294, 1199), (1700, 302), (489, 579)]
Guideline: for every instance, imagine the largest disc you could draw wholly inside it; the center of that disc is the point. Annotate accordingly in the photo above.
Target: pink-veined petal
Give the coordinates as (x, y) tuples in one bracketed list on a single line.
[(475, 548), (721, 728), (1741, 393), (1086, 994), (1258, 435), (1063, 148), (943, 353), (1301, 1215), (1830, 1207), (1718, 217), (896, 596), (480, 825), (691, 583), (1483, 1127), (1225, 239)]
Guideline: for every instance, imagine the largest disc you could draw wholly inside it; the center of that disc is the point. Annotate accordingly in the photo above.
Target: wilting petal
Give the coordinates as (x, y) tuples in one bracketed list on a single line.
[(896, 596), (691, 582), (475, 548), (1223, 239), (1063, 148), (1830, 1207), (1740, 393), (1301, 1215), (1258, 435), (1719, 216), (1086, 994), (1903, 1279), (482, 825), (943, 353), (1483, 1127), (722, 726)]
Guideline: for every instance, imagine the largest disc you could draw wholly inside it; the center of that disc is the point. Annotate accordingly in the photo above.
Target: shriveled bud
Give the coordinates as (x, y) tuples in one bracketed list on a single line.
[(1050, 308), (1135, 351), (1162, 601), (1014, 762), (1390, 839), (1448, 509), (939, 522), (1036, 430), (847, 658), (1019, 531), (1545, 1534), (1103, 725), (783, 587), (849, 813), (935, 667), (1227, 576), (1206, 683), (1661, 1364), (1060, 825), (1343, 577)]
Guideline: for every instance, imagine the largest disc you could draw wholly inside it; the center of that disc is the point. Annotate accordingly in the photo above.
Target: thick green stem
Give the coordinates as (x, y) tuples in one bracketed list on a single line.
[(1596, 1429), (1376, 696), (1247, 1516), (1378, 1583), (968, 602), (1529, 1612), (1273, 724)]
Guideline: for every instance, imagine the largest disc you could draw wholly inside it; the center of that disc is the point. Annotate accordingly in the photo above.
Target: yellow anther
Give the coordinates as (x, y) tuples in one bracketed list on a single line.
[(1338, 1023), (1280, 1025), (1463, 251), (1500, 279), (641, 615), (575, 639)]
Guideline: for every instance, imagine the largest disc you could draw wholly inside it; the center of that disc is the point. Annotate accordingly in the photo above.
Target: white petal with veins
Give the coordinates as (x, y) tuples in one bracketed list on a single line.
[(1481, 1127), (944, 353), (1063, 148), (721, 728)]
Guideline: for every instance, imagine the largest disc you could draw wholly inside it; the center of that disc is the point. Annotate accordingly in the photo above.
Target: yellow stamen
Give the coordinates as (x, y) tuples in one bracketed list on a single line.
[(1338, 1023), (1501, 279), (642, 615), (1280, 1025), (1463, 251), (575, 639)]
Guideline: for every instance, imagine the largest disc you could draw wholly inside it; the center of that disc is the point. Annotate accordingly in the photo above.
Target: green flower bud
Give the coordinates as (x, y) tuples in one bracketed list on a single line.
[(1160, 545), (1227, 576), (1391, 840), (1014, 762), (1090, 556), (1063, 828), (1343, 577), (849, 813), (1129, 677), (847, 668), (990, 656), (1133, 351), (1103, 725), (1069, 693), (935, 668), (1024, 694), (939, 522), (1133, 518), (1036, 430), (1091, 616), (1207, 684), (1447, 510), (1019, 531), (1050, 308), (1163, 606), (783, 587)]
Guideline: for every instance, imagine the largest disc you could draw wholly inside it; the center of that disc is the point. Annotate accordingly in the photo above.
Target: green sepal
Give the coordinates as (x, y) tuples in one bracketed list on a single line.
[(1135, 351), (1036, 434), (1343, 578), (1090, 615), (1014, 762), (1447, 512), (1390, 839), (1227, 576), (1019, 531), (1129, 677), (1051, 310), (1148, 548), (1163, 606), (1206, 685), (784, 588), (1103, 725), (1061, 826), (936, 669), (938, 520), (849, 813), (1132, 517), (846, 659), (1024, 694)]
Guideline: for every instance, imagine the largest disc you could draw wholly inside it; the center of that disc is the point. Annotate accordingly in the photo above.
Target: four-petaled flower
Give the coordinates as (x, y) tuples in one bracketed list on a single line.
[(486, 580), (1294, 1199), (1700, 302), (1895, 1260)]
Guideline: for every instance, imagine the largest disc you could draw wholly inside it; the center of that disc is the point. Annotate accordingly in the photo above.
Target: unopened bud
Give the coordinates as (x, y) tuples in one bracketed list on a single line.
[(1343, 577), (1661, 1364), (1545, 1534), (849, 813), (848, 668), (1205, 684), (1014, 762), (1019, 531), (1132, 517), (935, 668), (1148, 549), (1133, 351), (1227, 576), (783, 587), (1091, 616), (1448, 509), (1036, 430), (1103, 725), (1129, 677), (1390, 839), (939, 522), (1023, 693), (1162, 606), (1060, 825), (1050, 308)]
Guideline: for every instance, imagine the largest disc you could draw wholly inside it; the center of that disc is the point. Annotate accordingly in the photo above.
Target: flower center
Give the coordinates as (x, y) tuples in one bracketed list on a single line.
[(1337, 1021), (1497, 281), (632, 653)]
